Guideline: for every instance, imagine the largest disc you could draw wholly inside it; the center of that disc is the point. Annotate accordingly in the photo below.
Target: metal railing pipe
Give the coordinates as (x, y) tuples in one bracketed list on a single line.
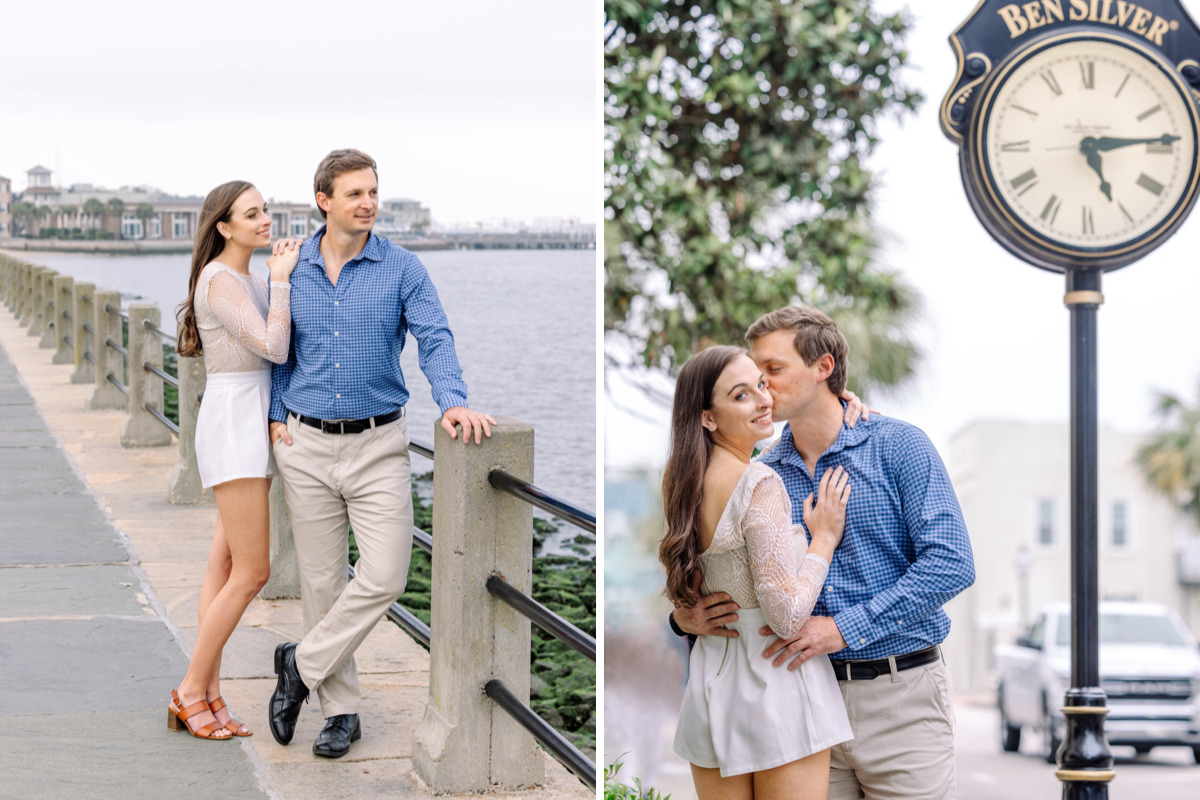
[(565, 752), (144, 427), (543, 617), (544, 500)]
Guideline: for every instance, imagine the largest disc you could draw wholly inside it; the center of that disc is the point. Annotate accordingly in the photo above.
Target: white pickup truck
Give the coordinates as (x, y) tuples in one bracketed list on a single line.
[(1149, 668)]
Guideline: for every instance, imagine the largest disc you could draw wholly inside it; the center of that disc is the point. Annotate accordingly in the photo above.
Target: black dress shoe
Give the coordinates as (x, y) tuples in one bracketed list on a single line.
[(290, 693), (335, 738)]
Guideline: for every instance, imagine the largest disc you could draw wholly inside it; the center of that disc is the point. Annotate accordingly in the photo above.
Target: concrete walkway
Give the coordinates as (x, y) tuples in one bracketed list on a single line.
[(99, 579)]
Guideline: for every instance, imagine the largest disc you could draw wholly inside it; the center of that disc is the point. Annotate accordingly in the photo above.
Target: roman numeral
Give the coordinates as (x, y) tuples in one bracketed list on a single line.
[(1149, 184), (1122, 86), (1089, 226), (1124, 211), (1160, 149), (1149, 112), (1048, 77), (1087, 70), (1026, 110), (1029, 177), (1015, 147), (1050, 212)]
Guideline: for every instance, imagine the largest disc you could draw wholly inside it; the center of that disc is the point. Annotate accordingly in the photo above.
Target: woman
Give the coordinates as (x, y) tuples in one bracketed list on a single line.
[(749, 730), (227, 319)]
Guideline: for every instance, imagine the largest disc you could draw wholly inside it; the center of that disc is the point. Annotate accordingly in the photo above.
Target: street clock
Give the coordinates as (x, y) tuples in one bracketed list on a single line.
[(1077, 125)]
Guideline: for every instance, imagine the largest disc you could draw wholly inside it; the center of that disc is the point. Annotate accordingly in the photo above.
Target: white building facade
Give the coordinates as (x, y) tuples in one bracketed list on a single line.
[(1014, 483)]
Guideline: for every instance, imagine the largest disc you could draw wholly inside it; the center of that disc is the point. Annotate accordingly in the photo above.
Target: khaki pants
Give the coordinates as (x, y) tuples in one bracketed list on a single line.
[(333, 482), (903, 745)]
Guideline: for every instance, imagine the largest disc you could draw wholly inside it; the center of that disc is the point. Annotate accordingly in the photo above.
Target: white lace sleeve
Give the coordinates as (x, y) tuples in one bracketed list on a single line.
[(235, 310), (786, 591)]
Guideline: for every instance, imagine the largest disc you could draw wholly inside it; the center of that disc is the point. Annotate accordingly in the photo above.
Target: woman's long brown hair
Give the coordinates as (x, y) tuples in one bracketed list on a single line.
[(683, 479), (208, 245)]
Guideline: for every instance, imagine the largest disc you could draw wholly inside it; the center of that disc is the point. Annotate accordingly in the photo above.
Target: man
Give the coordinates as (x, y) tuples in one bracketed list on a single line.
[(904, 554), (341, 442)]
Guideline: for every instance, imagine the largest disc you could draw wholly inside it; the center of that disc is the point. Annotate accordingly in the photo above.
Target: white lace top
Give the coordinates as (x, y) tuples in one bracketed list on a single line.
[(760, 558), (237, 330)]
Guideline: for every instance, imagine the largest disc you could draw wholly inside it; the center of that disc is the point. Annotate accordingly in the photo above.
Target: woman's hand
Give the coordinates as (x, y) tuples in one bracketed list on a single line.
[(284, 255), (826, 519)]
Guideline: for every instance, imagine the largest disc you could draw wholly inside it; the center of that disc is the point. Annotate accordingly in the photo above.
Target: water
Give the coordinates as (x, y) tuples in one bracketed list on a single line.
[(524, 326)]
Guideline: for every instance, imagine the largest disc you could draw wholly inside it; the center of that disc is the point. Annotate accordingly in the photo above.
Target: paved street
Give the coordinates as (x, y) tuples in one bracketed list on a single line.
[(984, 772)]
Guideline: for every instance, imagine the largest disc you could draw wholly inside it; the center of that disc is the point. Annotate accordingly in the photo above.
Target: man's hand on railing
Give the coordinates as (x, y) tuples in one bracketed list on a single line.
[(472, 421)]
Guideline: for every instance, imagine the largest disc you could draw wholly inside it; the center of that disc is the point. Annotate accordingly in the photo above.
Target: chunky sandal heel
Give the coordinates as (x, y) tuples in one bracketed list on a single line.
[(177, 718)]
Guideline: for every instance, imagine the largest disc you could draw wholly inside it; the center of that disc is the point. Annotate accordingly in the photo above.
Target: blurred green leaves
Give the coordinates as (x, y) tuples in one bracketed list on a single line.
[(735, 136)]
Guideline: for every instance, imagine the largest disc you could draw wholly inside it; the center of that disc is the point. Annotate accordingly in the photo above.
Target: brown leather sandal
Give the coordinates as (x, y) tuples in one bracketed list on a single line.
[(177, 719), (233, 726)]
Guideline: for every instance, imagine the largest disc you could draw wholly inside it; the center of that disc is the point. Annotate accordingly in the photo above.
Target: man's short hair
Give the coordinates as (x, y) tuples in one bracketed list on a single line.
[(815, 335), (337, 163)]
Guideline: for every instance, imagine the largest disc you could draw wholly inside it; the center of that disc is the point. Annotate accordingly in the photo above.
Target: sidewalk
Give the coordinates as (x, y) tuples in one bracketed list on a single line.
[(99, 579)]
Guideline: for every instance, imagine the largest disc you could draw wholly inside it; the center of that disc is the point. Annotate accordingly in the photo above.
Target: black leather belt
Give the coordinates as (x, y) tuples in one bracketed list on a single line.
[(348, 425), (870, 670)]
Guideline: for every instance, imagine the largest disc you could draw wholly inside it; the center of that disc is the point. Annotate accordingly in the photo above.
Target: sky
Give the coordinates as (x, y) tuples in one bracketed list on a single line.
[(480, 110), (994, 330)]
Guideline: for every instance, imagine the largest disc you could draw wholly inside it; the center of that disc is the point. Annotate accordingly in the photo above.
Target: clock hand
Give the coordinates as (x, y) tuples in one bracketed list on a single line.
[(1105, 143), (1090, 151)]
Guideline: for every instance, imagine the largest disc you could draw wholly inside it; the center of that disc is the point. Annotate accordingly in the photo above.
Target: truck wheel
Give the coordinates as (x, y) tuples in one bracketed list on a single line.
[(1196, 754), (1010, 735)]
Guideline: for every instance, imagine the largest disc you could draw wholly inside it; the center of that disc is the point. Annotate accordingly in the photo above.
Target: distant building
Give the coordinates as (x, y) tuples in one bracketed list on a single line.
[(139, 212), (1013, 481), (402, 217), (6, 204)]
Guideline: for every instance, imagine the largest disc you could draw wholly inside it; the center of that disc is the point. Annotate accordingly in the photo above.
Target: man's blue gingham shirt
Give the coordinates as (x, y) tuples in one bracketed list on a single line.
[(346, 339), (905, 551)]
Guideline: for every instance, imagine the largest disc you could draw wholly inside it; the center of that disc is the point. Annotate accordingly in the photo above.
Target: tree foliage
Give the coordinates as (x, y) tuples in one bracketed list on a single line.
[(1170, 459), (735, 138)]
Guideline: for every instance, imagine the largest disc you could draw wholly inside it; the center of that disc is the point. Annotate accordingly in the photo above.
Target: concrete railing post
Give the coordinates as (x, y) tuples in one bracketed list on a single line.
[(48, 303), (8, 267), (184, 486), (285, 574), (32, 319), (64, 328), (24, 303), (142, 429), (81, 319), (106, 321), (465, 742)]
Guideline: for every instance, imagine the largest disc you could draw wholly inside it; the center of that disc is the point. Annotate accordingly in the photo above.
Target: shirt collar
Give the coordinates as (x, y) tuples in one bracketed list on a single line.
[(311, 249), (784, 450)]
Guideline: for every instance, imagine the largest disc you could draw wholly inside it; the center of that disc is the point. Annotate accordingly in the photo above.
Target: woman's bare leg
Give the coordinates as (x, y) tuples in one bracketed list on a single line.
[(806, 779), (711, 786), (243, 524)]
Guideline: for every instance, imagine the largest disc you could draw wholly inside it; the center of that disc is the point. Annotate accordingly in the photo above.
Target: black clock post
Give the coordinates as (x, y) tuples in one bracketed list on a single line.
[(1079, 146)]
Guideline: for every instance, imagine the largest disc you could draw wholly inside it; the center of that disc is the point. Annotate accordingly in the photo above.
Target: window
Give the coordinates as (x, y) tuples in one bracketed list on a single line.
[(1045, 522), (156, 227), (180, 230), (1120, 530), (299, 227), (131, 227)]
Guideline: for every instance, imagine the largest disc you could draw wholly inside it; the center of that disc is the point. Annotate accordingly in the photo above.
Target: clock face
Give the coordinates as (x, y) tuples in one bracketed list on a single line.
[(1088, 147)]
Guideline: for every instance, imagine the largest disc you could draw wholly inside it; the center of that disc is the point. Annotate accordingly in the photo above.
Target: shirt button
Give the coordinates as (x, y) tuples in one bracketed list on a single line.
[(335, 333), (335, 364), (899, 622), (335, 302), (862, 641), (829, 588), (338, 396)]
